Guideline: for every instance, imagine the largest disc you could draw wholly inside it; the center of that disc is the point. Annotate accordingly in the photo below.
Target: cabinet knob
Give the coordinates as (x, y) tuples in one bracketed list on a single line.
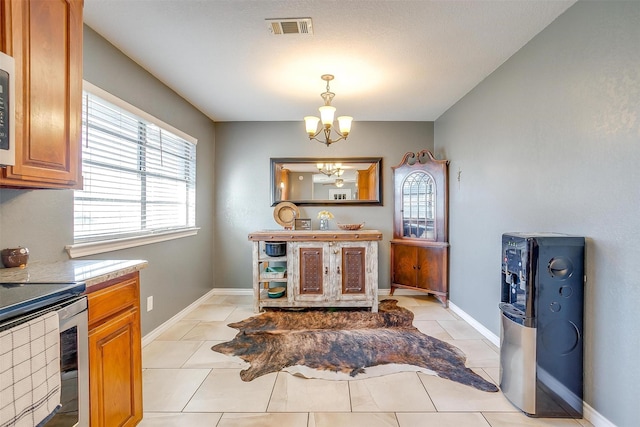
[(414, 267), (338, 269), (326, 270)]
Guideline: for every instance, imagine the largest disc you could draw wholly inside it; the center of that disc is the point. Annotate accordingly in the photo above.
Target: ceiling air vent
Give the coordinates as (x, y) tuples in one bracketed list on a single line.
[(281, 26)]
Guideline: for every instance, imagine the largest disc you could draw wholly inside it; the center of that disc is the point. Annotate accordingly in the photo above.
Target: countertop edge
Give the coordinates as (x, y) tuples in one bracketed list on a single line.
[(90, 272)]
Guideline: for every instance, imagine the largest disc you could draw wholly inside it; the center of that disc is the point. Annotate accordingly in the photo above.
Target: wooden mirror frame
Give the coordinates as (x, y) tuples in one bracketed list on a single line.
[(370, 180)]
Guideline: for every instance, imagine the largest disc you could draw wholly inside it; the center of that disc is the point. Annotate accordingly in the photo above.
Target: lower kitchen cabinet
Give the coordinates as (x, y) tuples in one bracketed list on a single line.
[(115, 353)]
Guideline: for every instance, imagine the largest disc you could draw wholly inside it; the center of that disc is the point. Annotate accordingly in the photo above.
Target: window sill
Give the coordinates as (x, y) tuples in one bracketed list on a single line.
[(92, 248)]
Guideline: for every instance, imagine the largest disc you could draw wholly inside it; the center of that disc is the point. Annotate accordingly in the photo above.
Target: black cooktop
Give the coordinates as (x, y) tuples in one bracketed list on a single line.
[(17, 299)]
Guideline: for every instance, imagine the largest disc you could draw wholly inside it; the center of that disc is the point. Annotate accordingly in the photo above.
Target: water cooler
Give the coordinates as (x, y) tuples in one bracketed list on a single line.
[(541, 338)]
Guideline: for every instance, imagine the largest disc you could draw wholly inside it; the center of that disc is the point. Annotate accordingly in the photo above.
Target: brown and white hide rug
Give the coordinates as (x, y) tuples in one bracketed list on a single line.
[(344, 341)]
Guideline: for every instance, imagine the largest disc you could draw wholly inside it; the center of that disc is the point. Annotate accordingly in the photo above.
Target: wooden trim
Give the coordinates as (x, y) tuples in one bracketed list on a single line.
[(317, 236)]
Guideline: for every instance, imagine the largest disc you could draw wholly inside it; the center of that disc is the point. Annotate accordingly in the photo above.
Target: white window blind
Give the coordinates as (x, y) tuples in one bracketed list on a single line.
[(139, 174)]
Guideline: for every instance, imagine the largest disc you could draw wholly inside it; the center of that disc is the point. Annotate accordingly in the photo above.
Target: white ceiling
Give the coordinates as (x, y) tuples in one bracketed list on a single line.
[(393, 60)]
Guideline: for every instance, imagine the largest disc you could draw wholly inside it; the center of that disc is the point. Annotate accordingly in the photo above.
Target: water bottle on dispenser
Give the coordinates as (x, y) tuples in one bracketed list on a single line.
[(541, 339)]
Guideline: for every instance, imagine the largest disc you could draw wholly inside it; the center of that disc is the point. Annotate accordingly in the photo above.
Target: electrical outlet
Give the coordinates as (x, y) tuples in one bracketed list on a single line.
[(150, 303)]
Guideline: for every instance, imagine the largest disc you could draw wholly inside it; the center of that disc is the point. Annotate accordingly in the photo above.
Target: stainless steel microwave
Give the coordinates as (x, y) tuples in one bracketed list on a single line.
[(7, 110)]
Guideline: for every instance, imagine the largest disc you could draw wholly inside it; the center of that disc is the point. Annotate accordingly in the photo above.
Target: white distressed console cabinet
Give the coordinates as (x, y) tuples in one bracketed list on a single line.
[(324, 268)]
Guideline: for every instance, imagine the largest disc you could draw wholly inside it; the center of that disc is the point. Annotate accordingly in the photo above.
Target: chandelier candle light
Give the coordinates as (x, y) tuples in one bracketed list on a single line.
[(326, 115)]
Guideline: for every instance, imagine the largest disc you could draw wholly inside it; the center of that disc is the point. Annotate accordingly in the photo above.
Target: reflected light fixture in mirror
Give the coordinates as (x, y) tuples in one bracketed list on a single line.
[(326, 116), (330, 169), (339, 182)]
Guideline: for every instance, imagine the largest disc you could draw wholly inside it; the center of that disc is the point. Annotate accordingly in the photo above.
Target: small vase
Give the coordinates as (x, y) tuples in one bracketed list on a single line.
[(324, 224)]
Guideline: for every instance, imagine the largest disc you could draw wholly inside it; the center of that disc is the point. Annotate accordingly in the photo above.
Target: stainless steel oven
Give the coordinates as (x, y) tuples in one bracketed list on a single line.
[(74, 365), (23, 302)]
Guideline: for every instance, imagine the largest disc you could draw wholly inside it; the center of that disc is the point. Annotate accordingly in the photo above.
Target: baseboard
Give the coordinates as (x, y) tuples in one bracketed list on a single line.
[(594, 417), (475, 324), (230, 291)]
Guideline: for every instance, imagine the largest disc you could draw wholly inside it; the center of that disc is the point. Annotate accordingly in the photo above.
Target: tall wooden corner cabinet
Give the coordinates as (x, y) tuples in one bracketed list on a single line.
[(115, 353), (45, 39), (420, 248)]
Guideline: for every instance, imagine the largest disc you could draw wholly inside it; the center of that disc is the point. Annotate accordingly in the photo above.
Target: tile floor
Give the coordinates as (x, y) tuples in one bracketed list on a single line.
[(187, 384)]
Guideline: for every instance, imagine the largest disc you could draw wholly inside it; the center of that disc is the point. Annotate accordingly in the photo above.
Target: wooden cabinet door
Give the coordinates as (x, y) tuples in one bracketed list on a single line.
[(310, 272), (404, 268), (115, 352), (45, 39), (351, 270), (432, 265), (115, 372)]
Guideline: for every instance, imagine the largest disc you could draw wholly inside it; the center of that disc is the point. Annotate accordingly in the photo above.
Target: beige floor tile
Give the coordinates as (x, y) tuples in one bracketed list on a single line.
[(432, 328), (295, 394), (264, 420), (341, 419), (518, 419), (168, 354), (216, 299), (410, 301), (460, 330), (431, 312), (450, 396), (224, 391), (210, 331), (494, 374), (169, 390), (442, 419), (241, 313), (204, 357), (401, 392), (211, 312), (177, 331), (239, 300), (492, 345), (478, 353), (179, 419)]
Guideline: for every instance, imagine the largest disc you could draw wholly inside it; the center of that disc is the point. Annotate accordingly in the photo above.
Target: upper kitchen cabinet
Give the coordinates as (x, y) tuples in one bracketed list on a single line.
[(45, 39)]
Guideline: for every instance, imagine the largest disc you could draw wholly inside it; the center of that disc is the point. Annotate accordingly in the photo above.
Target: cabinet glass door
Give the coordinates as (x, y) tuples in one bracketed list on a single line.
[(418, 206)]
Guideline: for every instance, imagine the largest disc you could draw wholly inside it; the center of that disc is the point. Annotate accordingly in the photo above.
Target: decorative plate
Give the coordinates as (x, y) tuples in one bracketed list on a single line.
[(285, 214)]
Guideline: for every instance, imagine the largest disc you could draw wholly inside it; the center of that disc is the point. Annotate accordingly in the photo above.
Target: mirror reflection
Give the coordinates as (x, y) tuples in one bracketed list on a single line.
[(322, 181)]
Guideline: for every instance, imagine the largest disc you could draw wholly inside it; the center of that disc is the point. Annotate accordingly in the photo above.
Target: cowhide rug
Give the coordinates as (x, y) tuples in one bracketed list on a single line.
[(344, 341)]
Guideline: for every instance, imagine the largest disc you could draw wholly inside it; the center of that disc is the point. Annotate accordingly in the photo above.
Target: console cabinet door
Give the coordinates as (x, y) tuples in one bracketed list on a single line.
[(310, 271), (45, 39), (351, 270)]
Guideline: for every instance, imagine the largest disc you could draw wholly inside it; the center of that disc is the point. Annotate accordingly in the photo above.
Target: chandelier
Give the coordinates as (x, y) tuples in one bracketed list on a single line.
[(326, 115), (330, 169)]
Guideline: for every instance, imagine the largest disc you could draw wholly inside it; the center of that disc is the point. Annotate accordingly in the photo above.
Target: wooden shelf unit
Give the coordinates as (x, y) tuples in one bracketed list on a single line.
[(324, 268)]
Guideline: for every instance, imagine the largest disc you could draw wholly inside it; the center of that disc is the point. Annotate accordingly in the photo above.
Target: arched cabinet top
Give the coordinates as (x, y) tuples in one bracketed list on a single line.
[(421, 202)]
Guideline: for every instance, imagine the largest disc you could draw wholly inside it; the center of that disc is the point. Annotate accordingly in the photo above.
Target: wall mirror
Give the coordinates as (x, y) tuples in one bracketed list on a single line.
[(327, 181)]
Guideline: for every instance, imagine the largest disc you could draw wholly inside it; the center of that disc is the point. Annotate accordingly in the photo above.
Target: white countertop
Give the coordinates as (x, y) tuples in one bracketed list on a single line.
[(91, 272)]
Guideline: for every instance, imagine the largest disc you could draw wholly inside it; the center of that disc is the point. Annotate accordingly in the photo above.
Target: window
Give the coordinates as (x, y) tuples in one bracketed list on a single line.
[(139, 174)]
